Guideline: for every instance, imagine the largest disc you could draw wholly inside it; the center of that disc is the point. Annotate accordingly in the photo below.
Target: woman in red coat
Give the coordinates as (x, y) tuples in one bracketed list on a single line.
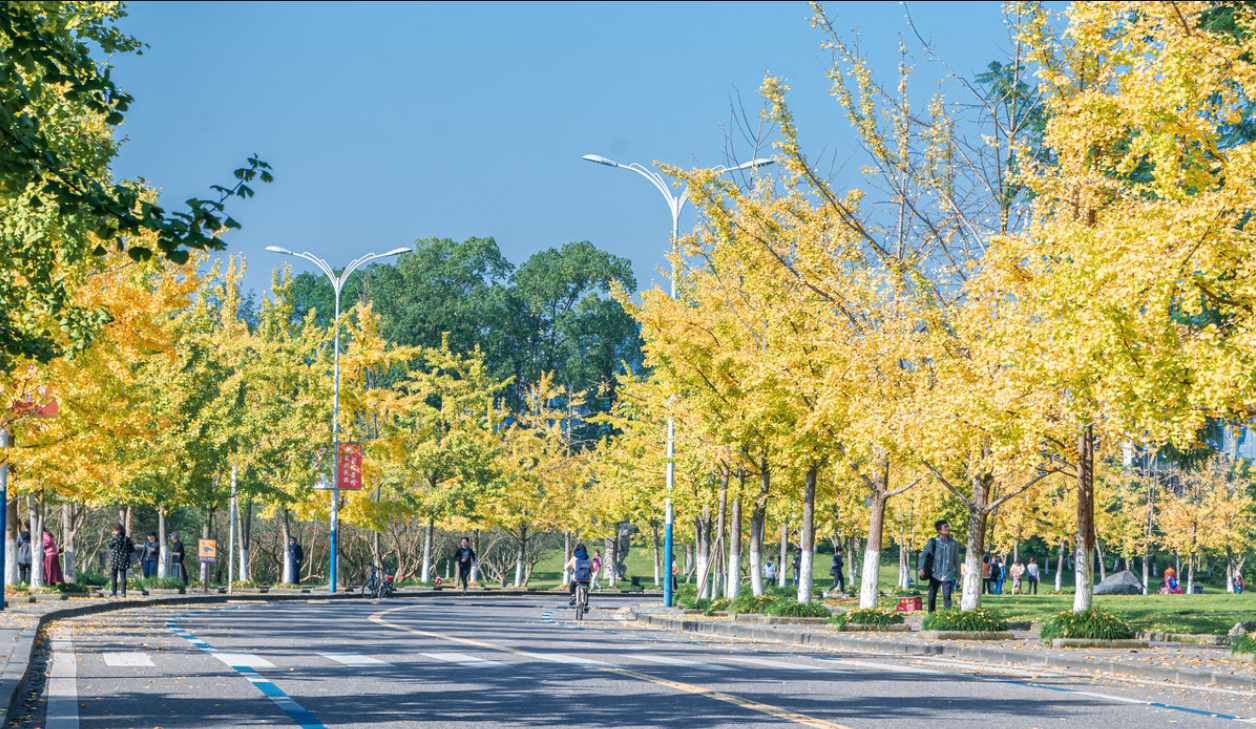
[(52, 561)]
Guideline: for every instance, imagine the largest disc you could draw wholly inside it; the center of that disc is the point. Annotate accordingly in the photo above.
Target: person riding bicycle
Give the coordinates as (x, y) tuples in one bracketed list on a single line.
[(581, 569)]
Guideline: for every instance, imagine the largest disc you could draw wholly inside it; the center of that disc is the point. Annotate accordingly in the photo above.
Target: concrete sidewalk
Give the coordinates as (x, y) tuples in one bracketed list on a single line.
[(1197, 665)]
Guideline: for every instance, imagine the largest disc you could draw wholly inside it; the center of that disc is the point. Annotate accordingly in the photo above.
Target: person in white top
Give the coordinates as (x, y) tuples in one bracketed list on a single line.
[(1031, 574)]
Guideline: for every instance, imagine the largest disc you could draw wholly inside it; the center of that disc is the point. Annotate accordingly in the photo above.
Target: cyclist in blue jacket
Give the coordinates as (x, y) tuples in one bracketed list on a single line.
[(580, 567)]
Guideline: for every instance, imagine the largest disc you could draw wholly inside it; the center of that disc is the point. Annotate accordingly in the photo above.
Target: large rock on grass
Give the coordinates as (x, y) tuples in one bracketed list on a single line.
[(1122, 583)]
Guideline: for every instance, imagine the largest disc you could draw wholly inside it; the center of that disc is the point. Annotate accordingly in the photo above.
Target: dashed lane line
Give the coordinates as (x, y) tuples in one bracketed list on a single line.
[(776, 711), (62, 687), (465, 660), (123, 660)]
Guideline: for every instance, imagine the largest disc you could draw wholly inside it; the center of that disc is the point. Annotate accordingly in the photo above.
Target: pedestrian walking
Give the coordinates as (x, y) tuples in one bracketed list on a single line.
[(120, 550), (1031, 572), (769, 571), (998, 574), (176, 556), (52, 561), (839, 581), (797, 567), (298, 556), (596, 582), (149, 554), (938, 561), (24, 555), (987, 572), (1018, 572), (464, 556)]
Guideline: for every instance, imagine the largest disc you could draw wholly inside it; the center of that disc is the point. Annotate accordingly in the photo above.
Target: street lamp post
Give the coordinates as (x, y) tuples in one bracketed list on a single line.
[(337, 285), (675, 203)]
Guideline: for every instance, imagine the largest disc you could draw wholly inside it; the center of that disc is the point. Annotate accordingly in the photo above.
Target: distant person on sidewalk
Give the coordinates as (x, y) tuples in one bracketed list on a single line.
[(938, 561), (24, 555), (149, 555), (52, 561), (120, 550), (1031, 573), (596, 582), (464, 556), (1018, 573), (839, 580), (176, 556), (298, 556)]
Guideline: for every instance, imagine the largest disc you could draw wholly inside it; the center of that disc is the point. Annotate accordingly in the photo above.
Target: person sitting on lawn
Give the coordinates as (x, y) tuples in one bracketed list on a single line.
[(1171, 586)]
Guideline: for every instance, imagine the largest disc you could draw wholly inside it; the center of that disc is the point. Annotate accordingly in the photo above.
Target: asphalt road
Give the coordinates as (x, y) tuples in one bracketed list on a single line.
[(455, 661)]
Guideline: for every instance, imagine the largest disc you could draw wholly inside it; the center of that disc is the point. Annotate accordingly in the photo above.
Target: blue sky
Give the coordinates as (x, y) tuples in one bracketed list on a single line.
[(389, 122)]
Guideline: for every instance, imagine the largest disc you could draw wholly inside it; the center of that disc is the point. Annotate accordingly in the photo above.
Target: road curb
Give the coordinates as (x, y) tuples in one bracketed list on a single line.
[(17, 672), (978, 653)]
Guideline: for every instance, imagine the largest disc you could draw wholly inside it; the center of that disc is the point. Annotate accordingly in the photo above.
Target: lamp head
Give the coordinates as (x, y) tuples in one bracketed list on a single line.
[(395, 252), (277, 249), (601, 160)]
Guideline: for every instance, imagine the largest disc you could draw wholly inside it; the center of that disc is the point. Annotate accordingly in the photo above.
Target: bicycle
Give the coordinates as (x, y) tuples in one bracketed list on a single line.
[(378, 585), (582, 599)]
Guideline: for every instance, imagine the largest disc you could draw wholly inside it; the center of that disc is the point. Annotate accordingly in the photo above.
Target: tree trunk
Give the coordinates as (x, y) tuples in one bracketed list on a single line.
[(519, 556), (69, 532), (702, 538), (721, 545), (732, 581), (14, 525), (904, 567), (872, 551), (1059, 566), (428, 533), (654, 528), (1083, 595), (163, 559), (246, 536), (758, 517), (1190, 574), (566, 557), (475, 564), (976, 547), (35, 519), (806, 535), (285, 535), (782, 574), (1229, 569), (1103, 570)]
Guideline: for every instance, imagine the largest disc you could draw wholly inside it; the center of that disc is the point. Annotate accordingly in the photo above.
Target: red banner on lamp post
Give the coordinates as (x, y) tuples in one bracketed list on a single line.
[(349, 466)]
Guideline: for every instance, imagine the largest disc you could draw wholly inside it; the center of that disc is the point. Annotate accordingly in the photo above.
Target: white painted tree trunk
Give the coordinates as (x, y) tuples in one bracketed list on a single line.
[(426, 574), (782, 575), (807, 538), (732, 582), (1083, 595), (756, 553), (1059, 569), (163, 553)]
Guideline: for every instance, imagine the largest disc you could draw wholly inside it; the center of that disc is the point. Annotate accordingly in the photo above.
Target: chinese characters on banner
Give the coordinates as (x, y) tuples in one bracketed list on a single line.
[(349, 467)]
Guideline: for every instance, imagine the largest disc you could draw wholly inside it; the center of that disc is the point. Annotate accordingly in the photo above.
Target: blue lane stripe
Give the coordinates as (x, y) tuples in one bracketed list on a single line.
[(295, 711)]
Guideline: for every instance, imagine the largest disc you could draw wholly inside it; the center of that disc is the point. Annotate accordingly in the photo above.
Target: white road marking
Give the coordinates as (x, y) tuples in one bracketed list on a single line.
[(465, 660), (126, 659), (242, 659), (880, 666), (354, 659), (561, 658), (682, 662), (62, 687), (772, 664)]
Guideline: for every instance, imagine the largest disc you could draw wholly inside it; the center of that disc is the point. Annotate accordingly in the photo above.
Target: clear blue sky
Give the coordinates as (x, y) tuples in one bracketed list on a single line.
[(389, 122)]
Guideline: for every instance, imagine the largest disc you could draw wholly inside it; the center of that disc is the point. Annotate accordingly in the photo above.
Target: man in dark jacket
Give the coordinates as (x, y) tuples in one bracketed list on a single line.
[(298, 556), (149, 554), (839, 580), (944, 554), (464, 556), (176, 556)]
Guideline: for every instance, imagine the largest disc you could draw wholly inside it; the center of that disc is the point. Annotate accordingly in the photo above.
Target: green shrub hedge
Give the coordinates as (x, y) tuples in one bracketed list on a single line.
[(782, 608), (967, 620), (1245, 643), (866, 616), (1091, 624)]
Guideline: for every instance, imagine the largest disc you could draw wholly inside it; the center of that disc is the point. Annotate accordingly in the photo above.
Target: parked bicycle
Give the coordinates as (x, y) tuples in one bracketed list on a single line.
[(379, 584)]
